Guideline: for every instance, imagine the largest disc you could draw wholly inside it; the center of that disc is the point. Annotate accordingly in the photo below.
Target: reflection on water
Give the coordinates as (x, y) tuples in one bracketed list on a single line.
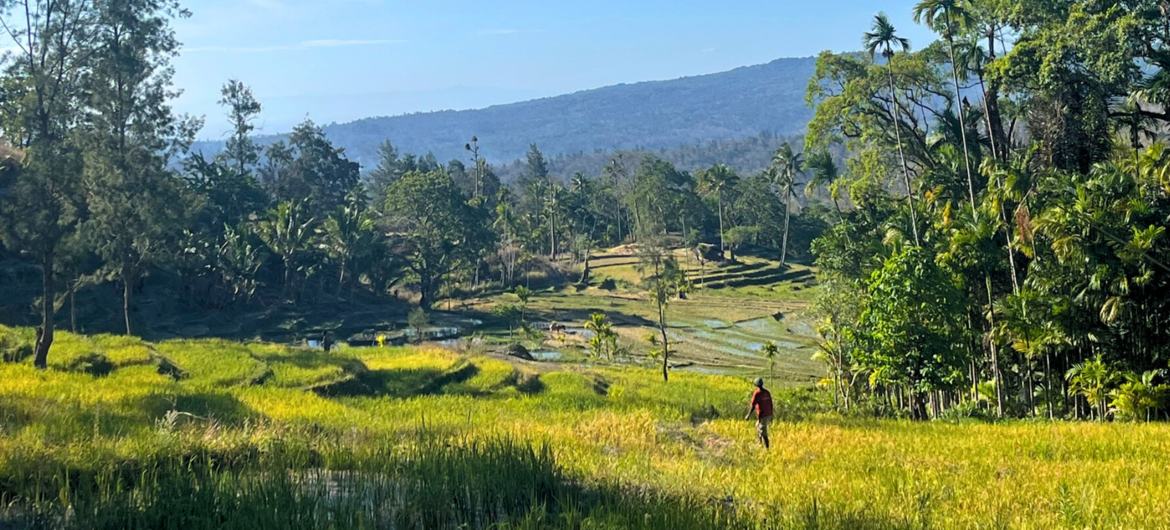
[(546, 355)]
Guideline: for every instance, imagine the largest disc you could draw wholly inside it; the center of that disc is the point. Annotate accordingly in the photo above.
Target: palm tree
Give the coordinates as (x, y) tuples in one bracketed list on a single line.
[(287, 232), (770, 351), (823, 174), (883, 37), (717, 180), (344, 234), (602, 331), (1091, 379), (946, 16), (786, 164)]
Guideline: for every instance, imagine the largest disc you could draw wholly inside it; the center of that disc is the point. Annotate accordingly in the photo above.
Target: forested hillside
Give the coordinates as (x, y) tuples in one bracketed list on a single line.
[(653, 115)]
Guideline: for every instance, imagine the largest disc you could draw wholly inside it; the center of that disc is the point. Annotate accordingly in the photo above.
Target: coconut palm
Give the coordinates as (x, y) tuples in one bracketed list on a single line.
[(717, 180), (786, 165), (883, 38), (946, 17)]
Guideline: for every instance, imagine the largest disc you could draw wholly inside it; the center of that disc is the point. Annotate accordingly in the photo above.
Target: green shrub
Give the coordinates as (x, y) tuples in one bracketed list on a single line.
[(94, 364)]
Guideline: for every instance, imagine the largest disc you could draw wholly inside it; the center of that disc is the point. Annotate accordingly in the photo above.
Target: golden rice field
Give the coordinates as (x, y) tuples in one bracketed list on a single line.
[(484, 442)]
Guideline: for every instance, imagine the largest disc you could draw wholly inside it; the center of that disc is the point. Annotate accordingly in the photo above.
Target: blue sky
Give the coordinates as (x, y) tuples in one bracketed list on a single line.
[(339, 60)]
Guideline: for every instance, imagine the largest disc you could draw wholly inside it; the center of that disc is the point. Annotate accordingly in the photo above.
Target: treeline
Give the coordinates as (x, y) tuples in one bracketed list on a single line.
[(1021, 267), (99, 187), (750, 154)]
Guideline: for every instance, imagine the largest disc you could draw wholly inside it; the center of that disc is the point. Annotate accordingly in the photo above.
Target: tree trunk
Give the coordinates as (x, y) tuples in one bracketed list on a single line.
[(962, 118), (991, 102), (73, 307), (787, 214), (665, 345), (902, 154), (722, 245), (127, 288), (48, 294), (995, 373)]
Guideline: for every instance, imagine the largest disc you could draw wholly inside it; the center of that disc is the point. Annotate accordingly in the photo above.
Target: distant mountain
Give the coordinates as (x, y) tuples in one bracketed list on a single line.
[(654, 115)]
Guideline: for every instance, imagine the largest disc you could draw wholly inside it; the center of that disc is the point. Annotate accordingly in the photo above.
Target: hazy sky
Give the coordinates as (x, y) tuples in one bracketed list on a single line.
[(339, 60)]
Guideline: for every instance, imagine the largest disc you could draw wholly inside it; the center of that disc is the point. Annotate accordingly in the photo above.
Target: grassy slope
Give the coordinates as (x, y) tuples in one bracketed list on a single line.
[(610, 429)]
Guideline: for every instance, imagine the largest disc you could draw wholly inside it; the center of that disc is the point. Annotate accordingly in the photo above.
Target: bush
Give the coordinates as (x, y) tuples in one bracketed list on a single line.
[(94, 364), (14, 349)]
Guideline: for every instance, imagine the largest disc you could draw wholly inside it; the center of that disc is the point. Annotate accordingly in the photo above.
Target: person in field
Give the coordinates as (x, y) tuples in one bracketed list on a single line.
[(761, 406)]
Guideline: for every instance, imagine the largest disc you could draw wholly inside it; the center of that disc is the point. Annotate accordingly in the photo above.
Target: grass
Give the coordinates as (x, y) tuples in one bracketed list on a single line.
[(420, 437)]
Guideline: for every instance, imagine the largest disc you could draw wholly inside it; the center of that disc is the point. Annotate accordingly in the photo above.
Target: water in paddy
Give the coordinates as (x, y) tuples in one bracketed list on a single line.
[(546, 355)]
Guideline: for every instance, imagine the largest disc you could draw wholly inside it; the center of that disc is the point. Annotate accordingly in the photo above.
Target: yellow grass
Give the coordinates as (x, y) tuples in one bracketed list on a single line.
[(607, 426)]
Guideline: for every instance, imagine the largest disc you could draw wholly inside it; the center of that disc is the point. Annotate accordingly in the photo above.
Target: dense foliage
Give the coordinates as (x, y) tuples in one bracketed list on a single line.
[(101, 189), (1006, 249)]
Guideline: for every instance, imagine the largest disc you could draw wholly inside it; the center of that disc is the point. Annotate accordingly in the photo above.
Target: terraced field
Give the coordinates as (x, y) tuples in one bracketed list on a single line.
[(730, 312)]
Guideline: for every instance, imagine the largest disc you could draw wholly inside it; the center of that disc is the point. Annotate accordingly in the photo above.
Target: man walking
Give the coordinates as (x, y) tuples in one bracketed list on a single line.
[(761, 405)]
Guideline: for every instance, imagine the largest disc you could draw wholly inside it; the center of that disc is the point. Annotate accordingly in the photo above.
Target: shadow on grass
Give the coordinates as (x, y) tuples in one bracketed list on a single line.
[(399, 383), (496, 483)]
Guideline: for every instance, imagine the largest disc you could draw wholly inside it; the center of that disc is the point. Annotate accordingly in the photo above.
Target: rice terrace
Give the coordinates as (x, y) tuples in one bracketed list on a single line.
[(918, 280)]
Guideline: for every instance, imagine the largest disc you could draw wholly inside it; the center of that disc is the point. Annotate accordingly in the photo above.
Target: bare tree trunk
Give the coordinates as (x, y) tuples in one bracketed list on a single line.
[(960, 113), (722, 245), (995, 373), (787, 214), (73, 307), (127, 288), (902, 154), (48, 294)]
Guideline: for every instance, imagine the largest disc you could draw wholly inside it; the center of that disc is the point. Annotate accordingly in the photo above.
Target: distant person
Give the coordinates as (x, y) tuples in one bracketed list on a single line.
[(761, 405), (326, 341)]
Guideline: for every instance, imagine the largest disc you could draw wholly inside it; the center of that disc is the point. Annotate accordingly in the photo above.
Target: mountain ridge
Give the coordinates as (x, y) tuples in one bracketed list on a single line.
[(742, 102)]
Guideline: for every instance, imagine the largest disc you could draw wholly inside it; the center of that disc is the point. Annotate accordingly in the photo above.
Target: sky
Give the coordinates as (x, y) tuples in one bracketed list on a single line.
[(341, 60)]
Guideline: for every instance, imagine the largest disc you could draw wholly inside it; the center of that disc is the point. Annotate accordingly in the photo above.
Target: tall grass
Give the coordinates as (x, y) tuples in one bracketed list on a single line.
[(425, 438)]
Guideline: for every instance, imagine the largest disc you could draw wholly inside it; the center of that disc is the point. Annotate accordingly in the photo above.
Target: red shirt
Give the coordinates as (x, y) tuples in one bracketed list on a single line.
[(762, 403)]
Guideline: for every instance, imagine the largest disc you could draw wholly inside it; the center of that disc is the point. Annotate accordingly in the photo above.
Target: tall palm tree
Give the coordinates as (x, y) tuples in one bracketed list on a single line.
[(884, 38), (786, 164), (716, 181), (946, 17)]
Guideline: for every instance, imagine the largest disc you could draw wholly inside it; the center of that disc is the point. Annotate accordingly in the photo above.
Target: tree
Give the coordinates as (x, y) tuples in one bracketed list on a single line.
[(1092, 379), (347, 233), (310, 169), (770, 351), (44, 84), (717, 180), (434, 228), (662, 277), (884, 37), (910, 326), (786, 165), (523, 294), (389, 169), (603, 343), (418, 320), (946, 16), (132, 198), (288, 231), (240, 151)]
